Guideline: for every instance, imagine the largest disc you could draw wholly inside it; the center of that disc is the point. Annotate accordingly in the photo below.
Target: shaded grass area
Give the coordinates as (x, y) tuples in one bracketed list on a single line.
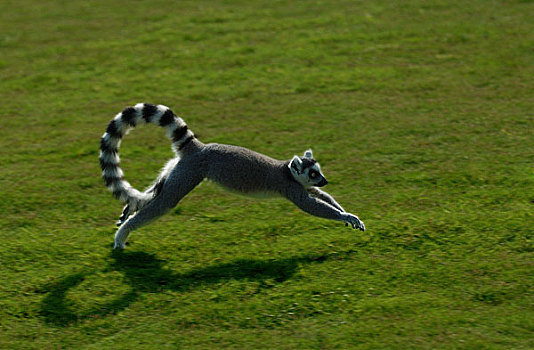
[(419, 112), (145, 273)]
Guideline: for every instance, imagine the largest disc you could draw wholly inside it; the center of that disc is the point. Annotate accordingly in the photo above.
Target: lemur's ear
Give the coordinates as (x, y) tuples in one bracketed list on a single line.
[(295, 164), (308, 154)]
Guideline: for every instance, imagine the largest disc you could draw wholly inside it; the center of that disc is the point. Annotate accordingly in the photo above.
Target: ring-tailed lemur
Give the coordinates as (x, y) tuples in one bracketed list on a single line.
[(235, 168)]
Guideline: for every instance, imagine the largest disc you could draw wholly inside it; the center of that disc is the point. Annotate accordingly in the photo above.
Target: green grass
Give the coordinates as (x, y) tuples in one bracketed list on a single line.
[(421, 114)]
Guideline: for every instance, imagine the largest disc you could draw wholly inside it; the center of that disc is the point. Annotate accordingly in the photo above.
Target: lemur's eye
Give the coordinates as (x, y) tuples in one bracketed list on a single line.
[(313, 174)]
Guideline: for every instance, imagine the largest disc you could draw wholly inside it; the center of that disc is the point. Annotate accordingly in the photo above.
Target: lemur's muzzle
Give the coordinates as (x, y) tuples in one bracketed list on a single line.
[(322, 183)]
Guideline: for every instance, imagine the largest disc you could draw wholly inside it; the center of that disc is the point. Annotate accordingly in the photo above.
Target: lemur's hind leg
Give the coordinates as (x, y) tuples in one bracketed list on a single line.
[(151, 192), (129, 209), (179, 183), (124, 216)]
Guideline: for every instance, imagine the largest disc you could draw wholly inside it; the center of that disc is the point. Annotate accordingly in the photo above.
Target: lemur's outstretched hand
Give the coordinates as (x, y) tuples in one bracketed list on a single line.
[(354, 221)]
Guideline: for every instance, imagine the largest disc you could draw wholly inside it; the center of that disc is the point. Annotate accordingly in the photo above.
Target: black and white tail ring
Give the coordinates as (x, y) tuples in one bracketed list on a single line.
[(129, 118)]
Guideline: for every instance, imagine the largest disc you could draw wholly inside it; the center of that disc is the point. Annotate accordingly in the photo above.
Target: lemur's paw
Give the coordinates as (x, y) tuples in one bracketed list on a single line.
[(119, 246), (354, 221)]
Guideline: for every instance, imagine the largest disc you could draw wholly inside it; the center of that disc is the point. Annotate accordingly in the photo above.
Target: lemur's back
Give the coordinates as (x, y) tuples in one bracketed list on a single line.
[(243, 170)]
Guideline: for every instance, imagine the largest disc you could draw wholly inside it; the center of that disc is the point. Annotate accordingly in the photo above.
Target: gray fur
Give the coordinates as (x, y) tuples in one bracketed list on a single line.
[(235, 168)]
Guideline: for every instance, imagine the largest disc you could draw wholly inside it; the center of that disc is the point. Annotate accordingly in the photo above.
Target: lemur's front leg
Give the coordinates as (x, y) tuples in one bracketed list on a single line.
[(321, 208), (322, 195)]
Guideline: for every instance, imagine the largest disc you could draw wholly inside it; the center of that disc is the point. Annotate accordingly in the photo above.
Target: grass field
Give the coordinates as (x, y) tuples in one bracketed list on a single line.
[(420, 112)]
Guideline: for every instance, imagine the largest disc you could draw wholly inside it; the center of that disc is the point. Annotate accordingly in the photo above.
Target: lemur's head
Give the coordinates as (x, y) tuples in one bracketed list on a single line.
[(307, 171)]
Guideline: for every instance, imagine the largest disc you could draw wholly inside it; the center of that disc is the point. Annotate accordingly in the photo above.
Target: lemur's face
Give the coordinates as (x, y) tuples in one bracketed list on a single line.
[(307, 171)]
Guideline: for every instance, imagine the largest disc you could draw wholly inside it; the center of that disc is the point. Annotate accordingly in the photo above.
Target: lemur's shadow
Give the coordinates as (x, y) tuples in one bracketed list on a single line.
[(146, 273)]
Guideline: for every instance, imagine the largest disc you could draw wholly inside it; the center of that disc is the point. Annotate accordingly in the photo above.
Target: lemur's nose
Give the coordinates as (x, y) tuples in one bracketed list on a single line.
[(322, 183)]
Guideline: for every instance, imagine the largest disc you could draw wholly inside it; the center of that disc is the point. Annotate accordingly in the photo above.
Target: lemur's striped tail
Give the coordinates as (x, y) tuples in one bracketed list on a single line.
[(160, 115)]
